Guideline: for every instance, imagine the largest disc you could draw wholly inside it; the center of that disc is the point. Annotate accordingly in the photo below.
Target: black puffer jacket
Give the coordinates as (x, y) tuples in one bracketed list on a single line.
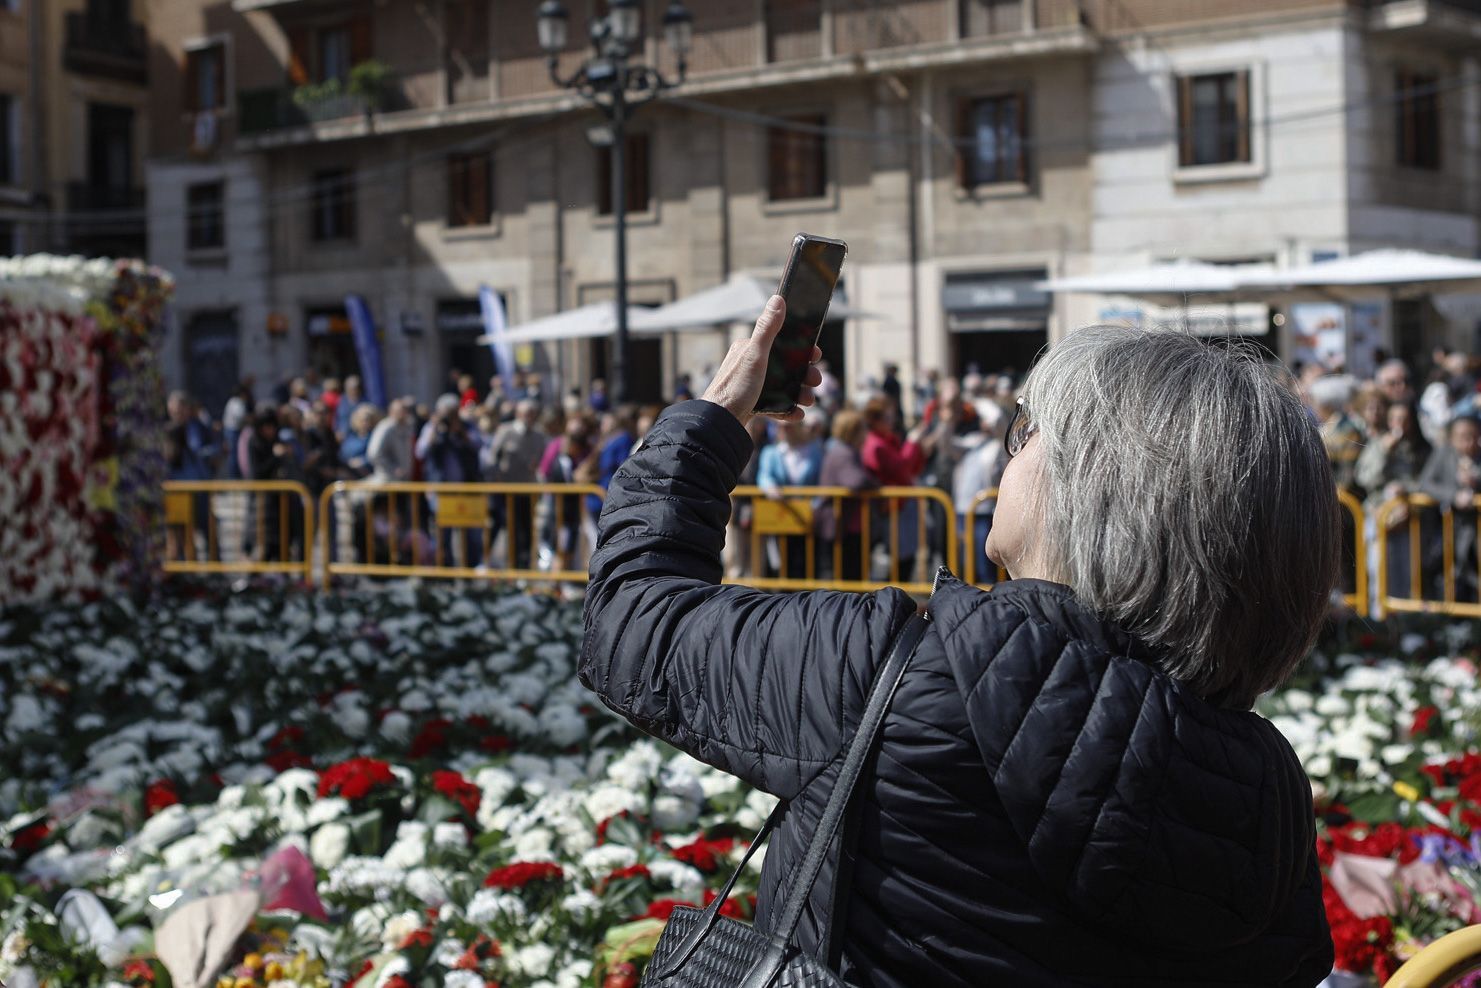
[(1046, 808)]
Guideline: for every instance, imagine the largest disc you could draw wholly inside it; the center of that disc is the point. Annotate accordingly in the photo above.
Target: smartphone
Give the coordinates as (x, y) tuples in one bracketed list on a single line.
[(807, 286)]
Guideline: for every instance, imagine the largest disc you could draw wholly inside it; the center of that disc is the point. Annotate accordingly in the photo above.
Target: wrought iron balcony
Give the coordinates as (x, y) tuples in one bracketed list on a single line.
[(263, 110), (114, 49)]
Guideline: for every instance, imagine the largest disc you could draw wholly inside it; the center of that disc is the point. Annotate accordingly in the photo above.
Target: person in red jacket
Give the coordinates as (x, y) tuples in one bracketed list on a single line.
[(896, 464)]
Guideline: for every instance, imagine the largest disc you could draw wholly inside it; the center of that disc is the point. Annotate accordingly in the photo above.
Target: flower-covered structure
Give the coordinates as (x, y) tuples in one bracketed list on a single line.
[(81, 424)]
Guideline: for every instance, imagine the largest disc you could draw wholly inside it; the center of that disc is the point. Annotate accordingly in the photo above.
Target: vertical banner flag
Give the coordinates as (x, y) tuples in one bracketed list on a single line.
[(496, 328), (368, 349)]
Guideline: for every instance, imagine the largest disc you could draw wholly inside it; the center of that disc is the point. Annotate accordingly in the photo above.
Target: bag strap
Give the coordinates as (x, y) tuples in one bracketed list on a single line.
[(848, 776), (880, 696)]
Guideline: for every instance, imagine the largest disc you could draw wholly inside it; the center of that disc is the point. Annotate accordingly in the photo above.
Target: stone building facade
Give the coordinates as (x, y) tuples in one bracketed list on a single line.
[(966, 149)]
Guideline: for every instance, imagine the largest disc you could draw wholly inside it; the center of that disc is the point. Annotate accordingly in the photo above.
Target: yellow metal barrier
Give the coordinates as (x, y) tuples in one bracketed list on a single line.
[(232, 518), (1358, 599), (1441, 963), (1388, 522), (969, 542), (787, 527), (406, 528)]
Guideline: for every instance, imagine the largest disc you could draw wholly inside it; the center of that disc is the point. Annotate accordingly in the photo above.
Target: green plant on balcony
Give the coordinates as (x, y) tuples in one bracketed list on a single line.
[(371, 81), (316, 94)]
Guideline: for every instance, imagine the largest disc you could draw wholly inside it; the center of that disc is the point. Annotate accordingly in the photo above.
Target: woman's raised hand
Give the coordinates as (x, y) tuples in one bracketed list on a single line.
[(737, 384)]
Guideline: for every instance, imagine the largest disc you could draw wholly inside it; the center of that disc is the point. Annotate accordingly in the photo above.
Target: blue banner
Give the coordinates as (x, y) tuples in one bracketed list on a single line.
[(496, 328), (368, 349)]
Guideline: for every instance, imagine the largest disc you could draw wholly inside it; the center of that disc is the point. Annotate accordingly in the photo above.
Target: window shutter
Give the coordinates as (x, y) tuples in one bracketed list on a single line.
[(298, 56), (480, 206), (221, 51), (966, 147), (1242, 114), (192, 81), (360, 41), (1185, 121), (454, 190), (1020, 107)]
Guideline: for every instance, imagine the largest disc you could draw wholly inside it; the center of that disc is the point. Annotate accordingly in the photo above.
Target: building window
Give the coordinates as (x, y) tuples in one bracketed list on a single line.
[(9, 241), (470, 189), (205, 78), (992, 132), (797, 159), (10, 144), (794, 29), (983, 17), (333, 214), (334, 54), (205, 207), (328, 52), (639, 189), (1418, 120), (1213, 119)]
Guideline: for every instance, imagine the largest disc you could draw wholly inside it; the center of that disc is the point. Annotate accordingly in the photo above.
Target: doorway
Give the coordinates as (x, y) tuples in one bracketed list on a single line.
[(998, 351)]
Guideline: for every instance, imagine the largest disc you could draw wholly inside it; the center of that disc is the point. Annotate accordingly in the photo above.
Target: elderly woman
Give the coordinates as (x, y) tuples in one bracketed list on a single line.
[(1070, 786)]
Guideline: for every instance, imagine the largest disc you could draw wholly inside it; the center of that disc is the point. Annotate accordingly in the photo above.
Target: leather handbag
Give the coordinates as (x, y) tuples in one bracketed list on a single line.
[(702, 949)]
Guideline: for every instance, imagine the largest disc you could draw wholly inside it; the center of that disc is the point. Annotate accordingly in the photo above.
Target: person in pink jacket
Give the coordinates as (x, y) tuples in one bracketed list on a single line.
[(896, 464)]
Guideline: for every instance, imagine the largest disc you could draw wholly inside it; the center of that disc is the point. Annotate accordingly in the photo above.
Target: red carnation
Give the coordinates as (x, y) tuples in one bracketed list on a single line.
[(631, 871), (397, 981), (159, 794), (458, 789), (355, 778), (431, 738), (416, 938), (28, 839), (1422, 718), (663, 909), (704, 854), (139, 971), (521, 873)]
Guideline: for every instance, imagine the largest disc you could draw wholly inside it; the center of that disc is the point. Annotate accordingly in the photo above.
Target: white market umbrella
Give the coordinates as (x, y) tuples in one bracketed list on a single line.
[(1170, 284), (588, 322), (739, 299), (1402, 273)]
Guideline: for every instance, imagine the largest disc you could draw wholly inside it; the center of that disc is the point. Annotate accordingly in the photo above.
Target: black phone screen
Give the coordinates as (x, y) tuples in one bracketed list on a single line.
[(807, 285)]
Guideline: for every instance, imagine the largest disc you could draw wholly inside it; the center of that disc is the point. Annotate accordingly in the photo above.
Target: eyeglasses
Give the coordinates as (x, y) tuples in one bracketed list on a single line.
[(1021, 429)]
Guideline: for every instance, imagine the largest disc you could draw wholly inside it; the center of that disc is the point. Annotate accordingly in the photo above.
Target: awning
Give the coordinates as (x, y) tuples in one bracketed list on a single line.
[(588, 322), (1375, 273), (1379, 272), (739, 299), (1168, 284)]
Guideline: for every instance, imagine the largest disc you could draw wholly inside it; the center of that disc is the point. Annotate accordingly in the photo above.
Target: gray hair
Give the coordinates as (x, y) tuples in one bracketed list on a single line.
[(1185, 495)]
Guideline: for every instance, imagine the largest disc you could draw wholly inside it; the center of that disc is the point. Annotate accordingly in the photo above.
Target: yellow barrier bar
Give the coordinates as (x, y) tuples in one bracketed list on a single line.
[(1358, 599), (1416, 602), (185, 492), (460, 522)]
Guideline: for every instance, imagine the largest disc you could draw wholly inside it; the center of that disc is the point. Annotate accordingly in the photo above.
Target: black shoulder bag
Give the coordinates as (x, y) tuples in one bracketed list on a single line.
[(702, 949)]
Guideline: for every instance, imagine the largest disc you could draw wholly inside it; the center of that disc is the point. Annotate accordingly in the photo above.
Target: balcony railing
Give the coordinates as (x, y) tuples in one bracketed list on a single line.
[(263, 110), (106, 221), (117, 50)]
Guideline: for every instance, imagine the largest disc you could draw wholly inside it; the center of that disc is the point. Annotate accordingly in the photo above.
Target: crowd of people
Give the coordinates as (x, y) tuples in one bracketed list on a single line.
[(1389, 435)]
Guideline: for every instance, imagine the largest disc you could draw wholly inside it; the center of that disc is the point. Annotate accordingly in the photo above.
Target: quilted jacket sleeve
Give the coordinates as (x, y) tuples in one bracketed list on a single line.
[(764, 686)]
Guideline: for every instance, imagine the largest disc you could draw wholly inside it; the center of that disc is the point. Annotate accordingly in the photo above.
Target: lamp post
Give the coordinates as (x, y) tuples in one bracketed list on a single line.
[(612, 82)]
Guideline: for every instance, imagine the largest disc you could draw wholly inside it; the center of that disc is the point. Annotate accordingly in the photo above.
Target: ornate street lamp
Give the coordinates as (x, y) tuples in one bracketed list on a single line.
[(612, 81)]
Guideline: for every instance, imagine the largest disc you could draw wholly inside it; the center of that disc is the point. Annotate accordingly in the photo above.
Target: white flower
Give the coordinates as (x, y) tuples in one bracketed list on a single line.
[(678, 876), (607, 799), (326, 809), (1319, 766), (673, 813), (534, 844), (602, 861), (581, 903), (399, 927), (450, 835), (537, 958), (329, 844), (1331, 706), (396, 727), (461, 979), (487, 905)]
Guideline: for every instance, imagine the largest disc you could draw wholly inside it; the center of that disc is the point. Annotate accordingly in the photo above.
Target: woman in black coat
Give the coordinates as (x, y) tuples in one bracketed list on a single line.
[(1070, 788)]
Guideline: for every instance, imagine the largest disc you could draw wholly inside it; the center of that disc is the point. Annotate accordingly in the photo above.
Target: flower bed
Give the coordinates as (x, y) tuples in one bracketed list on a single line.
[(81, 406), (409, 788)]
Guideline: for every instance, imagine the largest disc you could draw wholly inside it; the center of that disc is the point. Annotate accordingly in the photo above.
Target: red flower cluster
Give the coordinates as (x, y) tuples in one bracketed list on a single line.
[(138, 972), (1360, 945), (521, 873), (282, 750), (1385, 840), (458, 789), (159, 794), (28, 839), (1456, 771), (431, 739), (355, 778), (491, 742), (664, 908), (631, 871), (705, 854), (417, 938), (482, 947), (1423, 717), (397, 981)]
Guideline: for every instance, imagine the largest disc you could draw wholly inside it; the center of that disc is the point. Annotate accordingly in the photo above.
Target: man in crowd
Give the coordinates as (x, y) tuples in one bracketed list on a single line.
[(513, 457)]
